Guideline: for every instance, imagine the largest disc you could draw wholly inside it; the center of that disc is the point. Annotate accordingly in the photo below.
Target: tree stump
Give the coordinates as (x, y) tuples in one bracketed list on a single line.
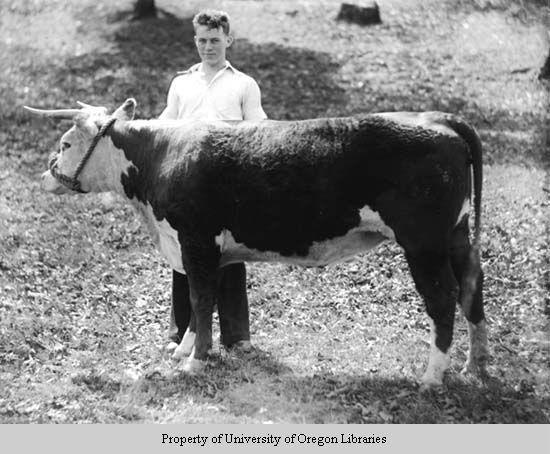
[(365, 14), (144, 9), (545, 70)]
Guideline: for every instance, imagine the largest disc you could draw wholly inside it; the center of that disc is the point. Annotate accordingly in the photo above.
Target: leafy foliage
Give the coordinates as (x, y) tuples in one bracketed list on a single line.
[(84, 297)]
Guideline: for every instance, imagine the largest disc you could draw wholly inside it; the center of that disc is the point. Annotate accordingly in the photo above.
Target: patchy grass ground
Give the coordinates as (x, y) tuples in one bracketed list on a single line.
[(84, 296)]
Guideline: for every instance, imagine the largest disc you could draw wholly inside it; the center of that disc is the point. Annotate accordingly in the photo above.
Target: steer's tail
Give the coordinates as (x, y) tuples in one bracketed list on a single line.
[(472, 279), (470, 136)]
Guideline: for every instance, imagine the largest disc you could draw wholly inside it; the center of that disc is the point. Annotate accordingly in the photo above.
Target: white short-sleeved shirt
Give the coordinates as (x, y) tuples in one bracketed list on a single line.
[(230, 95)]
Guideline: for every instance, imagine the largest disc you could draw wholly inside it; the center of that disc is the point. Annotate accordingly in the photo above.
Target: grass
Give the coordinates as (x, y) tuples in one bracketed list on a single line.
[(84, 295)]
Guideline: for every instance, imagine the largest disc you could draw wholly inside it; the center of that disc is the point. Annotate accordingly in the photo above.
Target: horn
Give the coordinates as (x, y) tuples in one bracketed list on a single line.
[(55, 113), (101, 109), (86, 106)]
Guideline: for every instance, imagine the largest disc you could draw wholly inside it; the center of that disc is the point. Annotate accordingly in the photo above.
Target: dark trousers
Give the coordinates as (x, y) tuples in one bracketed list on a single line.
[(232, 305)]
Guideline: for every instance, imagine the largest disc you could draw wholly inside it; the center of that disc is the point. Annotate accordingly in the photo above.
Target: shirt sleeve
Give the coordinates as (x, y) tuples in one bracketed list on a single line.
[(172, 102), (252, 102)]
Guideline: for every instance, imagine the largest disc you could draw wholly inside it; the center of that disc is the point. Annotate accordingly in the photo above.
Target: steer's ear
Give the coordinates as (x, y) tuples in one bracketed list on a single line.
[(126, 111)]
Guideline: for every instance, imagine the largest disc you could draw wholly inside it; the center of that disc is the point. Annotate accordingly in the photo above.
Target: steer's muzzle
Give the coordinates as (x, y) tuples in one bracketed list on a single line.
[(50, 184)]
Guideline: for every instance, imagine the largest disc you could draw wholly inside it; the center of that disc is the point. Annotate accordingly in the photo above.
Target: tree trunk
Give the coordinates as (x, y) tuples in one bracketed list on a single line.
[(144, 8), (365, 14)]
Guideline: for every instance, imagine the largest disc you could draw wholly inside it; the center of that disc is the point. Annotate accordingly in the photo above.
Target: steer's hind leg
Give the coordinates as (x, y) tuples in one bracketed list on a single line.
[(435, 281), (467, 269)]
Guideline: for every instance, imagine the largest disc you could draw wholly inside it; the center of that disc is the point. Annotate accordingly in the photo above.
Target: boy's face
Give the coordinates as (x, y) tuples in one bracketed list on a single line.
[(212, 44)]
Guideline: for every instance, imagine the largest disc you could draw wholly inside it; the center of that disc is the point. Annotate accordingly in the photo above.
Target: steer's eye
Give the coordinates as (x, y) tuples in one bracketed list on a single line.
[(65, 145)]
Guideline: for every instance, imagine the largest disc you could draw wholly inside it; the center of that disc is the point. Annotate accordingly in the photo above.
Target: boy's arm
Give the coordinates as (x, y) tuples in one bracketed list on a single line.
[(252, 102), (171, 110)]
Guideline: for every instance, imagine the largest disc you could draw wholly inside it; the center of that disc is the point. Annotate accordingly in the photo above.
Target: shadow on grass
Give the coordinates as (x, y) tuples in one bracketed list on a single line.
[(295, 83), (260, 387)]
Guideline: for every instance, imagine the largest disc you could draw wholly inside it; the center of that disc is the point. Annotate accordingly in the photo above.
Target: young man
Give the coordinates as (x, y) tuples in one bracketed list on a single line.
[(212, 90)]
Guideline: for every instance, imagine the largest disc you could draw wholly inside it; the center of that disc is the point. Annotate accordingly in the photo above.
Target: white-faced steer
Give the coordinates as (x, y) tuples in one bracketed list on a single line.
[(303, 192)]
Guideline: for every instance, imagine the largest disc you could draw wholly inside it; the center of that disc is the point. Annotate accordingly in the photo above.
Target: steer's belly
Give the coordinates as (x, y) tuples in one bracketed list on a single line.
[(319, 254), (370, 232)]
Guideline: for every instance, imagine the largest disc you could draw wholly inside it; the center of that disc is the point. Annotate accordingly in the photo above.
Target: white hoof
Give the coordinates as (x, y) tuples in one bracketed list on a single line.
[(185, 347), (428, 383), (193, 366), (170, 347), (438, 364), (181, 352)]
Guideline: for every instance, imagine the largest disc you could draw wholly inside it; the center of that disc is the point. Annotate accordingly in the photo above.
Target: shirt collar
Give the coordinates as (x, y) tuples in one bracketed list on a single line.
[(198, 67), (229, 66)]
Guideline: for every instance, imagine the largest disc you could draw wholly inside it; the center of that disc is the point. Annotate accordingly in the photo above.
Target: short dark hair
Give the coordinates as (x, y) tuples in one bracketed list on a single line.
[(213, 19)]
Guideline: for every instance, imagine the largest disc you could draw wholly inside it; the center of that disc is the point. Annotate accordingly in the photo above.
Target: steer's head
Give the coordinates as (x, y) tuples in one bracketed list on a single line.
[(69, 167)]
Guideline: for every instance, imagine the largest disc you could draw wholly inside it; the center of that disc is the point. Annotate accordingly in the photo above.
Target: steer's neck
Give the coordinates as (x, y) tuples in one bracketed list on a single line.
[(136, 146)]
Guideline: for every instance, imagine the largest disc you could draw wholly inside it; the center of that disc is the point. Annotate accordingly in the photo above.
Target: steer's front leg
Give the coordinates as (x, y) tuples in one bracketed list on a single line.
[(202, 302), (202, 272)]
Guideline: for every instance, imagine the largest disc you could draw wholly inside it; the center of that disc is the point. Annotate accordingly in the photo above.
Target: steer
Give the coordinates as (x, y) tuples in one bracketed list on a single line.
[(306, 192)]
